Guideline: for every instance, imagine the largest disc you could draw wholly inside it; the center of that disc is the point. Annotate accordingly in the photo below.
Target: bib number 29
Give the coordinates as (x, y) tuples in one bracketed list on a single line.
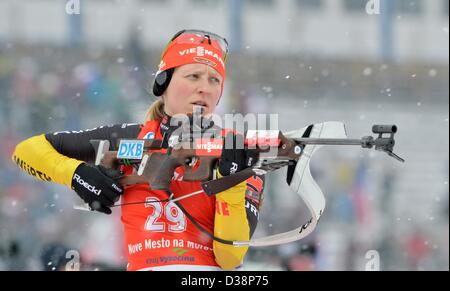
[(173, 214)]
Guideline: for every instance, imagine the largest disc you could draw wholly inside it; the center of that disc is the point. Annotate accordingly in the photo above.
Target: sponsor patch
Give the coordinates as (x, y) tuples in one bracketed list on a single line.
[(205, 61), (209, 147), (150, 135), (131, 149)]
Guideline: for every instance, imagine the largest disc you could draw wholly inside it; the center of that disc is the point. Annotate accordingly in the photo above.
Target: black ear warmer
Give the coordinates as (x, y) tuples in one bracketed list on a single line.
[(162, 81)]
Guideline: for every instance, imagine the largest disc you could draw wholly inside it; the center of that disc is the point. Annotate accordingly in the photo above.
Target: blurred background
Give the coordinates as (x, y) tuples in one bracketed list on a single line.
[(356, 61)]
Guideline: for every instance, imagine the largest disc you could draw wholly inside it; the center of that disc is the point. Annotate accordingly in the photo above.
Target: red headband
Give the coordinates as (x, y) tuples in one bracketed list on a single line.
[(193, 49)]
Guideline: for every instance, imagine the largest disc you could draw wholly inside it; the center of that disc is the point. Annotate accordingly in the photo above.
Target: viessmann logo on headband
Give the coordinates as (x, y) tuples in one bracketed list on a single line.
[(202, 52)]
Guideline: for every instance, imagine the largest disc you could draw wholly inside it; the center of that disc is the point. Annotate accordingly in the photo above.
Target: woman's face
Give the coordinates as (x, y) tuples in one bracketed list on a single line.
[(193, 84)]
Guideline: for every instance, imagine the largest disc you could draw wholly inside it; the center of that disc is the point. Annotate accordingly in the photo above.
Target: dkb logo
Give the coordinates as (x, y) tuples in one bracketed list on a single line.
[(131, 149)]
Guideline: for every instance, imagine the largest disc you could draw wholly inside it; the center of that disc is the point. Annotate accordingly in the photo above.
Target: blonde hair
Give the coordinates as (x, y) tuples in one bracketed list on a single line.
[(155, 111)]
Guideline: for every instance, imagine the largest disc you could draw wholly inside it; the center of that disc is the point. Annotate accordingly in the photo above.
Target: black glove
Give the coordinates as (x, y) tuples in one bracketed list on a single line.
[(235, 157), (97, 186)]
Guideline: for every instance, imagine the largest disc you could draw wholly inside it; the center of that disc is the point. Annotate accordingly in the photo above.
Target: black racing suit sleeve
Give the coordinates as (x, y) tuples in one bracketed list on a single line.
[(76, 144)]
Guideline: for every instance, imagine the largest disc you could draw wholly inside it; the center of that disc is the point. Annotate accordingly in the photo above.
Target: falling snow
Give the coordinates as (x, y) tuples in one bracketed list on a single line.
[(367, 71), (330, 83)]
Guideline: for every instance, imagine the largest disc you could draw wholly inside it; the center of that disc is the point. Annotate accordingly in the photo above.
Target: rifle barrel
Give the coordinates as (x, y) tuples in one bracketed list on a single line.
[(329, 141)]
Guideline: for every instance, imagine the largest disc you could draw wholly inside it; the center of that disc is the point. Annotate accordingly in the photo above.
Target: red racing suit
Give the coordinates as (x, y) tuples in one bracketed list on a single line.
[(158, 235)]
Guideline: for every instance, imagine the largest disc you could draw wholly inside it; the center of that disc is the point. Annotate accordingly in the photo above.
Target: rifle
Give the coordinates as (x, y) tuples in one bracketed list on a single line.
[(156, 163)]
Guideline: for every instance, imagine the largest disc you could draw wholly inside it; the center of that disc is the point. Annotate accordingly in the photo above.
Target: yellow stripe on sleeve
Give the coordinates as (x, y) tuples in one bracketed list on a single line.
[(37, 157)]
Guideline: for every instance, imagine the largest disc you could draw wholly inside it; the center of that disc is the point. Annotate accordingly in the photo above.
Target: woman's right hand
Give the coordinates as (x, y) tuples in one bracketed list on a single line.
[(97, 186), (235, 157)]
